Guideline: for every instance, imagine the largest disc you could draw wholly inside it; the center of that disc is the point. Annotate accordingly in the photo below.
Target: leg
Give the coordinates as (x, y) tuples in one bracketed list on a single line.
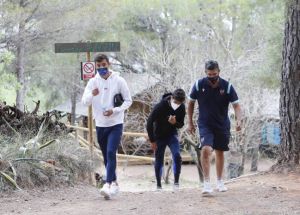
[(221, 145), (205, 161), (219, 163), (175, 150), (114, 139), (206, 146), (159, 160), (102, 134)]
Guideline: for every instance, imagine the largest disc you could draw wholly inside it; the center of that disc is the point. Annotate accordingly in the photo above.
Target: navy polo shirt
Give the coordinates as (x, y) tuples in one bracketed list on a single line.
[(213, 103)]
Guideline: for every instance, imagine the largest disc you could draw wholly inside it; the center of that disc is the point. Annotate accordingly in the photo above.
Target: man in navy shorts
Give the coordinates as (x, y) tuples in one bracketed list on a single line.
[(213, 95)]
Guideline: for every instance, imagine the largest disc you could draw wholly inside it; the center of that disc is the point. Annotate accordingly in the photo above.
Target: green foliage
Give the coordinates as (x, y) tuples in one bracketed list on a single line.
[(236, 32), (269, 72), (242, 34), (8, 81)]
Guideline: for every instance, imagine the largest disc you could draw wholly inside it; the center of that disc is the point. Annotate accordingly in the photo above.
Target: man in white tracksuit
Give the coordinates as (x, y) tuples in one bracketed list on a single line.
[(100, 92)]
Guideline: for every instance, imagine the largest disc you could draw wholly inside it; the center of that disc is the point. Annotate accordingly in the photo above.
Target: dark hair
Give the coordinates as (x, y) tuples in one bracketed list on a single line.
[(179, 95), (101, 57), (211, 65)]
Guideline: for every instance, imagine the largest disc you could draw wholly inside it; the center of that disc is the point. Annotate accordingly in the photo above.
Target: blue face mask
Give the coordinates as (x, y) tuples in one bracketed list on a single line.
[(102, 71)]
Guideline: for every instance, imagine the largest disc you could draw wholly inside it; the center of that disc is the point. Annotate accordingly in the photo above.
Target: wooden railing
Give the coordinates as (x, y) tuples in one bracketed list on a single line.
[(128, 134), (86, 144), (83, 142)]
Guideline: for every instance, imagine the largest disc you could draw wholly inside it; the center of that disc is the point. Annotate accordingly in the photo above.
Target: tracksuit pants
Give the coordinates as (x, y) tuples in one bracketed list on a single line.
[(109, 139), (173, 143)]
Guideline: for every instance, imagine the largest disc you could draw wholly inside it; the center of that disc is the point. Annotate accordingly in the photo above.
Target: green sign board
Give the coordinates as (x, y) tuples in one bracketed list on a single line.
[(87, 47)]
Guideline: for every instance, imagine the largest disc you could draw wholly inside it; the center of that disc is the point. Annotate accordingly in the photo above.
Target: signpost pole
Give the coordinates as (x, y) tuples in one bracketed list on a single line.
[(90, 127)]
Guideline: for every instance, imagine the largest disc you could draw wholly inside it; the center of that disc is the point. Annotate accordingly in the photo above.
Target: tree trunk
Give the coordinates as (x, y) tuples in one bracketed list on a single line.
[(290, 87), (74, 95), (75, 79), (73, 107), (21, 91)]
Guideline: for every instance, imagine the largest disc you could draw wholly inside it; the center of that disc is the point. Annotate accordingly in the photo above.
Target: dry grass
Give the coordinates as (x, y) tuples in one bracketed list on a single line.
[(32, 164)]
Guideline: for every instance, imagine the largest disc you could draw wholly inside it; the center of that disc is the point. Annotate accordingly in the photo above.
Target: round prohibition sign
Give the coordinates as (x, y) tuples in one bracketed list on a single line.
[(88, 67)]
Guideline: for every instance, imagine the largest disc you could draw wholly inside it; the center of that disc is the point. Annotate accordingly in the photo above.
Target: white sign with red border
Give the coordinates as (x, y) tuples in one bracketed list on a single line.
[(88, 70)]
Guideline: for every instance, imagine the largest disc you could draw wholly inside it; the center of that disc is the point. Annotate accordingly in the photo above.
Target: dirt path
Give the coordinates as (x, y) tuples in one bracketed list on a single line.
[(260, 194)]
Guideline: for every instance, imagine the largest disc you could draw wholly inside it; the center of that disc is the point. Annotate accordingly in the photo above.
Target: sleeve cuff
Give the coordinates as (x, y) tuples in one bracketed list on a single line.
[(116, 109), (190, 98), (87, 100), (235, 102)]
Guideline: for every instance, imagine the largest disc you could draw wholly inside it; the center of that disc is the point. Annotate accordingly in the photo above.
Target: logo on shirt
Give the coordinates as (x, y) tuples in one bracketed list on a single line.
[(222, 92)]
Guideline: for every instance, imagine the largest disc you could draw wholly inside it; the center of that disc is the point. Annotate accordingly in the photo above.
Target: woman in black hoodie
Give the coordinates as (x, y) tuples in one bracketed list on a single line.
[(164, 120)]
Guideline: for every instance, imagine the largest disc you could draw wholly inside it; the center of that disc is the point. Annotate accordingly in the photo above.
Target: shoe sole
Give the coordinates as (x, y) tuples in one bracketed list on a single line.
[(221, 190), (114, 194), (106, 197), (207, 194)]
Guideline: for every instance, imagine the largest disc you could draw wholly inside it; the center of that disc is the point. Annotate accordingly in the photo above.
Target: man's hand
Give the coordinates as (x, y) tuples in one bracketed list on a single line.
[(108, 112), (95, 92), (172, 119), (153, 146), (238, 126), (191, 128)]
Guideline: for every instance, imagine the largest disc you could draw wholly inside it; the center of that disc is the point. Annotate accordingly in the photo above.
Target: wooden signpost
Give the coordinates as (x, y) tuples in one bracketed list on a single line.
[(88, 47)]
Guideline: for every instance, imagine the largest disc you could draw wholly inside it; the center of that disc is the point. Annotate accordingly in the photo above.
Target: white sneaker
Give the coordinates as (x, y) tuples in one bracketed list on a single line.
[(220, 186), (105, 191), (114, 189), (207, 190), (158, 188), (175, 187)]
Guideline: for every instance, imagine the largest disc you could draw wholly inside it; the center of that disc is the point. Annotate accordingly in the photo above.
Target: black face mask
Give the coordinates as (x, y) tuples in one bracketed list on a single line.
[(213, 79)]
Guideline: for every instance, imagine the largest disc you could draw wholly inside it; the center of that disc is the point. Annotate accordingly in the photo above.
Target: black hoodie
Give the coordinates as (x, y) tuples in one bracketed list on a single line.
[(157, 124)]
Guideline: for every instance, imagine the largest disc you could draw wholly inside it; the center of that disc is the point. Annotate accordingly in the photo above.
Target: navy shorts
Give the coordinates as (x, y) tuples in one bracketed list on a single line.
[(215, 138)]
